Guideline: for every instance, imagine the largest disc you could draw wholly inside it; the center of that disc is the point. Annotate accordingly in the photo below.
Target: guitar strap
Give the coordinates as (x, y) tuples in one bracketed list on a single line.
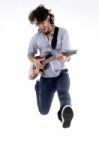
[(54, 40)]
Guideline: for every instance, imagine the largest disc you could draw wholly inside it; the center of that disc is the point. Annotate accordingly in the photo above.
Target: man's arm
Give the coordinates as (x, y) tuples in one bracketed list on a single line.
[(35, 61), (31, 57), (63, 57), (32, 50)]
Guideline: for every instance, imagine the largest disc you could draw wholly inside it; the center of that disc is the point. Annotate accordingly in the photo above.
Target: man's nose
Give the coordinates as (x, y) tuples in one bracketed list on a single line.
[(43, 25)]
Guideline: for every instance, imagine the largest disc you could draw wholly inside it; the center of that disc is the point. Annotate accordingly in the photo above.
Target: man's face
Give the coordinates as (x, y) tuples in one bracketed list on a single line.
[(44, 25)]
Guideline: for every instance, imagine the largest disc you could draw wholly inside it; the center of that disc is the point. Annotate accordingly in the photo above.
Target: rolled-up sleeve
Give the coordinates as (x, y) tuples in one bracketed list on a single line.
[(32, 46), (65, 41)]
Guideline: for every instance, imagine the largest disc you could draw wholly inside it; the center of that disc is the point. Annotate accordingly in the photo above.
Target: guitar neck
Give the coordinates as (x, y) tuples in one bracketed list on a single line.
[(70, 52), (46, 61), (53, 57)]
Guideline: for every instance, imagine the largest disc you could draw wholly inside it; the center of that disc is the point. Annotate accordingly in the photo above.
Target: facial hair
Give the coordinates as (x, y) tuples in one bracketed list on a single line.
[(50, 29)]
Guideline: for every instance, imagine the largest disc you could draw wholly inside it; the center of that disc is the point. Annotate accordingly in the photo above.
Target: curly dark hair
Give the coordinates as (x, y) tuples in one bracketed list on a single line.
[(40, 13)]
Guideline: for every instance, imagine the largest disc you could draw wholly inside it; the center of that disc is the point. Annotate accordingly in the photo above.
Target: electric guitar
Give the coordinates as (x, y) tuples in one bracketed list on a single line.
[(33, 73)]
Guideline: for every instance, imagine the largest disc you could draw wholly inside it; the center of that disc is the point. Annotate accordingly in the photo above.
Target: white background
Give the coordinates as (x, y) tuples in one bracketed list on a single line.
[(21, 125)]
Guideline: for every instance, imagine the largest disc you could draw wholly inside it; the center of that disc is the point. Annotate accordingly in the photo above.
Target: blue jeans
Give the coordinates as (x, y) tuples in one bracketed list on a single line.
[(46, 88)]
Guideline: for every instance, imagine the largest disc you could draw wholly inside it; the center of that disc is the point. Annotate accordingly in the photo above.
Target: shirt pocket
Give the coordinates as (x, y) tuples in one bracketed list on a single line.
[(41, 46)]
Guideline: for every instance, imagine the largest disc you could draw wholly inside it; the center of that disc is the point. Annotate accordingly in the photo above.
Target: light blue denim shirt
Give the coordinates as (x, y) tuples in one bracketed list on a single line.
[(39, 42)]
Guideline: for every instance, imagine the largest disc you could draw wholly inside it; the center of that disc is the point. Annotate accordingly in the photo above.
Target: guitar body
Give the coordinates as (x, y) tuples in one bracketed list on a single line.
[(34, 72)]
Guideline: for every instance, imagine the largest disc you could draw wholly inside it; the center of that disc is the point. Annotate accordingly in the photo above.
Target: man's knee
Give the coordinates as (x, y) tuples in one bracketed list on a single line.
[(43, 111)]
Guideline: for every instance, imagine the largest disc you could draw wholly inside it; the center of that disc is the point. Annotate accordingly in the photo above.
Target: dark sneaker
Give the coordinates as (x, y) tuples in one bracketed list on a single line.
[(67, 115)]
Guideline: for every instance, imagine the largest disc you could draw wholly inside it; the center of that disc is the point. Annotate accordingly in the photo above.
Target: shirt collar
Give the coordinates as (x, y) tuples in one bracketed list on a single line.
[(43, 33)]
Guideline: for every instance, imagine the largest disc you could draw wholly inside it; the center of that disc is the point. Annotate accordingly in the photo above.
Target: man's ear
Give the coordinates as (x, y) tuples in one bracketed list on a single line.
[(48, 17)]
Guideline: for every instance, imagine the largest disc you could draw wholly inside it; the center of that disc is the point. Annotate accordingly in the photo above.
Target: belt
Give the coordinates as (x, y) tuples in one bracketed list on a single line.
[(64, 70)]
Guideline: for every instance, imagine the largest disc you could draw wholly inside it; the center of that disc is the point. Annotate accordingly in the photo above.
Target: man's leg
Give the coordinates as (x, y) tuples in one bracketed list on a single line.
[(37, 89), (45, 92), (65, 114)]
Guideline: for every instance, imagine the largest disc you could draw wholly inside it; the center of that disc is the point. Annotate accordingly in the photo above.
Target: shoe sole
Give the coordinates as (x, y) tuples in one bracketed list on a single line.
[(67, 116)]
